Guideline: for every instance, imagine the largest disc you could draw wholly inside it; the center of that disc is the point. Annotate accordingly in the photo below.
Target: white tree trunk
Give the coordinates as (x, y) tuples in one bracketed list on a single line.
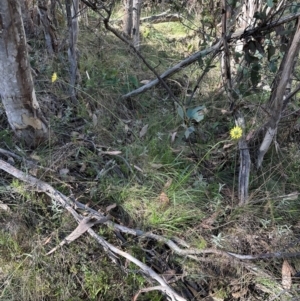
[(136, 15), (127, 19), (278, 93), (16, 84)]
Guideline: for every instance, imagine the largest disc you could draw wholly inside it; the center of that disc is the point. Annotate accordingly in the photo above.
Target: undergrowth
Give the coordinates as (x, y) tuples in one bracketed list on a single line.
[(159, 180)]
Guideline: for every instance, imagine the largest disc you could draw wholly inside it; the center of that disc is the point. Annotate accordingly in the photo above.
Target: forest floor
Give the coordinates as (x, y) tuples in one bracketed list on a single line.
[(131, 159)]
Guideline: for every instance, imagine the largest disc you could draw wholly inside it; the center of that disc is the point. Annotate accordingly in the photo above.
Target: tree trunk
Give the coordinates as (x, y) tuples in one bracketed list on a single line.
[(278, 93), (127, 20), (136, 15), (72, 8), (53, 12), (50, 36), (16, 84), (26, 9)]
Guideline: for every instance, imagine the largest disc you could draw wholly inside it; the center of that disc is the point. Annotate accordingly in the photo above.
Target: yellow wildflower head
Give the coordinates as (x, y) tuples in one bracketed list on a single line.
[(236, 132), (54, 77)]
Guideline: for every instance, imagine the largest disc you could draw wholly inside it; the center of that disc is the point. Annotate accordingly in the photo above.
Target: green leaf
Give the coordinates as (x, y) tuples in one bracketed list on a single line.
[(200, 61), (196, 114), (254, 75), (189, 131), (180, 111), (270, 3), (271, 51), (245, 72), (273, 66), (211, 67), (133, 80)]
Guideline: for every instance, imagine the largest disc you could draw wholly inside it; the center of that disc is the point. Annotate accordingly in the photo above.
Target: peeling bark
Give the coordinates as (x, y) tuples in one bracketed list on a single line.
[(16, 84)]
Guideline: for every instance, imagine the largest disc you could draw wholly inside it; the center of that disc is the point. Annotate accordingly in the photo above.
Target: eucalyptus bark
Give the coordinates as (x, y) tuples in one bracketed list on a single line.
[(127, 19), (136, 15), (16, 84)]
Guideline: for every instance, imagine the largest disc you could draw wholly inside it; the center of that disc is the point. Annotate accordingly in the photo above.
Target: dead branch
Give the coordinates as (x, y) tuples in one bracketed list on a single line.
[(38, 185), (113, 252), (239, 34), (159, 18), (162, 18), (72, 205), (278, 93), (118, 35), (191, 59)]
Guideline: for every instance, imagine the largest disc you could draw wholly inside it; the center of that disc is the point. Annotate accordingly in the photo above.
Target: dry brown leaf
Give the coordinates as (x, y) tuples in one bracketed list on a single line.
[(169, 274), (163, 199), (74, 134), (250, 135), (47, 240), (111, 152), (63, 172), (35, 157), (193, 291), (4, 207), (240, 293), (138, 168), (33, 171), (144, 130), (110, 207), (286, 275), (227, 145), (156, 166), (95, 120), (83, 167), (83, 226), (168, 184), (173, 136), (145, 81), (11, 161), (207, 223)]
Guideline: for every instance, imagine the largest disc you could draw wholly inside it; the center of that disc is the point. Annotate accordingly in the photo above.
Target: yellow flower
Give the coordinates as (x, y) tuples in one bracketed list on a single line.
[(54, 77), (236, 132)]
